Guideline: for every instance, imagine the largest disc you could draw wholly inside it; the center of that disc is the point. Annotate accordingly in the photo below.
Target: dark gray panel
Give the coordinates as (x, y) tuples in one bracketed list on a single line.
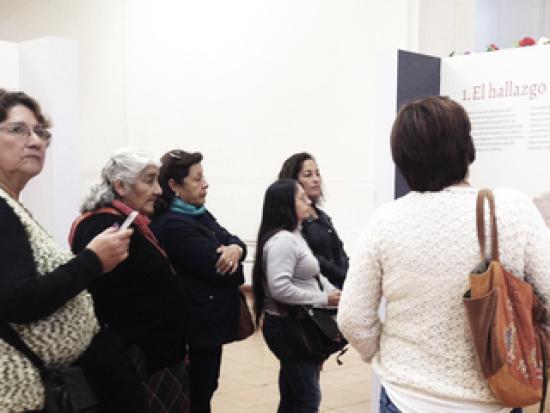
[(418, 75)]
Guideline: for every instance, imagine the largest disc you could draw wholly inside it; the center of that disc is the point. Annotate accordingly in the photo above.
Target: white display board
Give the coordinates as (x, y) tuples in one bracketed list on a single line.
[(507, 96), (47, 69)]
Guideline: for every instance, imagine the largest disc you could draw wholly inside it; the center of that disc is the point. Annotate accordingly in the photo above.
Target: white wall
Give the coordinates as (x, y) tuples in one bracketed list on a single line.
[(47, 69), (98, 26), (9, 69), (440, 27), (504, 22), (246, 82)]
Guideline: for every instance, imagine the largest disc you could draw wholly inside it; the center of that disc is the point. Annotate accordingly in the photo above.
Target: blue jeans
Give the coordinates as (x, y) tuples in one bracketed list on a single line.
[(299, 387), (386, 405)]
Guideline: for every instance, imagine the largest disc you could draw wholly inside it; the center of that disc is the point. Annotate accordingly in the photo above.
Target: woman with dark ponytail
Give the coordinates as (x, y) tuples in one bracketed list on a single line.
[(286, 273)]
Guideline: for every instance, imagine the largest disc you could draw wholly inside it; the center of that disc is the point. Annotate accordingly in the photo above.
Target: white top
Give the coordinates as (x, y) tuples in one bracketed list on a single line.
[(290, 269), (417, 252), (413, 401)]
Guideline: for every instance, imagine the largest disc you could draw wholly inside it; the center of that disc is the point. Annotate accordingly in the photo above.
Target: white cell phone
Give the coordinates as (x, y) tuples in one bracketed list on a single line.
[(128, 221)]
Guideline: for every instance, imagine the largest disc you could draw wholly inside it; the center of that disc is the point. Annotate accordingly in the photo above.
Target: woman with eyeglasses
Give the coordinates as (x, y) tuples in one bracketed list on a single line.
[(208, 261), (43, 293)]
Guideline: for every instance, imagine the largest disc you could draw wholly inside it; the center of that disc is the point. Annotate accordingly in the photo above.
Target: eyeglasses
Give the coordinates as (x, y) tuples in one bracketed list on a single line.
[(22, 131)]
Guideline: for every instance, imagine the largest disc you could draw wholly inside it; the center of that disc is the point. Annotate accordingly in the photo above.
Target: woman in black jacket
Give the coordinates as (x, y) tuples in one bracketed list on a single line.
[(207, 260), (139, 300), (318, 230)]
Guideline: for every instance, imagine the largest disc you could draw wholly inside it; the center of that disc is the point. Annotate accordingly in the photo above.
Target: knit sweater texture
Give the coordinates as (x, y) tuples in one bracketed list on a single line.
[(417, 252), (58, 338)]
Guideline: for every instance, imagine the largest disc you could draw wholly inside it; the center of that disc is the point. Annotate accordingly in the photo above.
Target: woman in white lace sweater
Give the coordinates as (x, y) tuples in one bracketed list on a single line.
[(417, 252)]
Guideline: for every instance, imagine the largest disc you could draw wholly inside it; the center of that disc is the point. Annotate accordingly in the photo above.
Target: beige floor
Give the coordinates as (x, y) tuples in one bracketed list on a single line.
[(248, 382)]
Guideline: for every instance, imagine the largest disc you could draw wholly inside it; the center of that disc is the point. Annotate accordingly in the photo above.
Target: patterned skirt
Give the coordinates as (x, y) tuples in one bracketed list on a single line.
[(167, 389)]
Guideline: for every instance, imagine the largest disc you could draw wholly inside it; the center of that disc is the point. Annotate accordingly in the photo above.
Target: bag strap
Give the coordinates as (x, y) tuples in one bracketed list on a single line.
[(480, 223), (10, 336), (544, 349)]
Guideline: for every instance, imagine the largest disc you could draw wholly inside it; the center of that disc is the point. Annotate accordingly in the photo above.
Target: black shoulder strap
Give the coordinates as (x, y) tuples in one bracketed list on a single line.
[(10, 336)]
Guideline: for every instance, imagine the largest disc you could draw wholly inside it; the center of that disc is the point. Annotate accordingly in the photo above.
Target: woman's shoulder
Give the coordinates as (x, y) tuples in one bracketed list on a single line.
[(171, 218), (100, 218), (282, 237), (10, 221), (515, 203), (510, 195), (87, 226), (96, 222)]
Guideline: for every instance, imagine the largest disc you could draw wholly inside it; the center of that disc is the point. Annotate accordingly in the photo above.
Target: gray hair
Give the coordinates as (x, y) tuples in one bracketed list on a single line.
[(124, 165)]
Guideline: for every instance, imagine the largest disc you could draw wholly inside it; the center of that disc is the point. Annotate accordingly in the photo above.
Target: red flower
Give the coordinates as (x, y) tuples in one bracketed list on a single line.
[(492, 47), (527, 41)]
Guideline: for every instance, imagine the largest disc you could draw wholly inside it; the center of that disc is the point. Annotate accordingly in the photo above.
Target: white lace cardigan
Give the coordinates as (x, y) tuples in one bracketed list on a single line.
[(417, 252)]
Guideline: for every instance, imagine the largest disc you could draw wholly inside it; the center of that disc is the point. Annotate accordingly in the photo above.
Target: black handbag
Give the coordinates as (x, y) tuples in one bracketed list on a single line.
[(312, 332), (66, 389)]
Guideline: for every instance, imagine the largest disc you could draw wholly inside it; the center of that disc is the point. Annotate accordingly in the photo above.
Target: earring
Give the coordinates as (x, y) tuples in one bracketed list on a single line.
[(177, 194)]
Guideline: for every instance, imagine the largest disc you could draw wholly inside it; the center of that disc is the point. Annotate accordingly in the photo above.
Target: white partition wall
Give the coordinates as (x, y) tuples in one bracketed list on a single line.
[(9, 69), (47, 70), (507, 96)]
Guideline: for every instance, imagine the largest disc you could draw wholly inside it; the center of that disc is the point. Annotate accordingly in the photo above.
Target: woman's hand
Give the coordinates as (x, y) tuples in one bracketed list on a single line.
[(111, 247), (334, 298), (230, 256)]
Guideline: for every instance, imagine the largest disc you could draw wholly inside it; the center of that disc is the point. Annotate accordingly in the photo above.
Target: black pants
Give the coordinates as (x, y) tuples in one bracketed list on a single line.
[(299, 386), (204, 371)]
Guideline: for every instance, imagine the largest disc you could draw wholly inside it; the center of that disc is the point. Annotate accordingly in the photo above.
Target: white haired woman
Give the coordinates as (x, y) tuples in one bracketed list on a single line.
[(42, 287), (139, 301)]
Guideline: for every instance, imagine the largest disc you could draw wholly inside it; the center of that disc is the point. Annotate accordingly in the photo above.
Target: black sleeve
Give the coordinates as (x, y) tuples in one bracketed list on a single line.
[(226, 237), (25, 295), (92, 226), (193, 252), (335, 274)]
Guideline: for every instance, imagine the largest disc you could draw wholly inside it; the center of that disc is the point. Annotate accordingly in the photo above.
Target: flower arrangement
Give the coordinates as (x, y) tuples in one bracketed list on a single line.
[(525, 42)]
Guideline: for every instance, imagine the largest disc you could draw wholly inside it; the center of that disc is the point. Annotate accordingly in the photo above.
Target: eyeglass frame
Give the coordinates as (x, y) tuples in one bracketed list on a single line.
[(40, 131)]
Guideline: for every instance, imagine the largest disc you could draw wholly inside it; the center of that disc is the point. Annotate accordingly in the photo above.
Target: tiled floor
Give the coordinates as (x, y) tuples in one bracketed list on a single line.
[(248, 382)]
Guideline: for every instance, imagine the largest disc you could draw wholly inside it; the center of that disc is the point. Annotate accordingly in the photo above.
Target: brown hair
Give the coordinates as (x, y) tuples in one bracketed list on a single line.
[(431, 143), (293, 165), (10, 99), (174, 165)]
